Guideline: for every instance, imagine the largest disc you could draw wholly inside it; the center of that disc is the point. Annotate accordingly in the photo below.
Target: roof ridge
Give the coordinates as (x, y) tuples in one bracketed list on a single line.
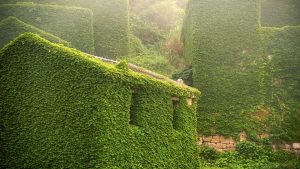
[(141, 70)]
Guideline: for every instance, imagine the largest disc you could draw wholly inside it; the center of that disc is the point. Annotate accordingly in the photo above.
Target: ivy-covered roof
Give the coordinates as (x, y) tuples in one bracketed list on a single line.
[(73, 24), (12, 27), (62, 108)]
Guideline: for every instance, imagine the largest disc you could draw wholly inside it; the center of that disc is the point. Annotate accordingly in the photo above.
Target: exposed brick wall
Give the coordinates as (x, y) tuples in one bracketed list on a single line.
[(221, 143), (218, 142), (291, 147)]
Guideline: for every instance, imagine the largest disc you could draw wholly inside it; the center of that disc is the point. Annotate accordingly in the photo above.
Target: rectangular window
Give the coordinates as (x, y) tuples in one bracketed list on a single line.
[(133, 108), (176, 105)]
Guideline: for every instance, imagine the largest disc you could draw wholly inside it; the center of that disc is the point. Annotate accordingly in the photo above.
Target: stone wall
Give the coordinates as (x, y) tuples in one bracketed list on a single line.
[(290, 147), (218, 142), (221, 143)]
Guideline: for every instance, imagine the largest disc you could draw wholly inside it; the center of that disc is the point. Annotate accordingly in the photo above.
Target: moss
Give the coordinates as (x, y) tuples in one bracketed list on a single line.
[(11, 27), (61, 108), (72, 24)]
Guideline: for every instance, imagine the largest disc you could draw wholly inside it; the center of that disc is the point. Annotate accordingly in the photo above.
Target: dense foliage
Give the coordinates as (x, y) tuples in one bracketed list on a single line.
[(110, 24), (159, 29), (281, 54), (69, 23), (61, 108), (185, 74), (152, 62), (248, 155), (224, 53), (249, 74), (11, 27), (278, 13)]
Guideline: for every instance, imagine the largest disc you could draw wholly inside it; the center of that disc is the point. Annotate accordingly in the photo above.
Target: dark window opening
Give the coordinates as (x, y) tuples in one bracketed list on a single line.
[(176, 105), (133, 108)]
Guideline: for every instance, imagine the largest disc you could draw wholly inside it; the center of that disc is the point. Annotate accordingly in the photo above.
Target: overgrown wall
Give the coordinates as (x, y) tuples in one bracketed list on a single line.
[(61, 108), (221, 143), (222, 46), (281, 51), (72, 24), (11, 27), (278, 13), (111, 23), (249, 75)]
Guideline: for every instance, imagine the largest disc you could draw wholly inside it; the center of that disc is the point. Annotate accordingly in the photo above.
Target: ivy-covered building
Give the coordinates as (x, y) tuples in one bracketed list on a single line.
[(12, 27), (92, 26), (248, 73), (71, 24), (61, 108)]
